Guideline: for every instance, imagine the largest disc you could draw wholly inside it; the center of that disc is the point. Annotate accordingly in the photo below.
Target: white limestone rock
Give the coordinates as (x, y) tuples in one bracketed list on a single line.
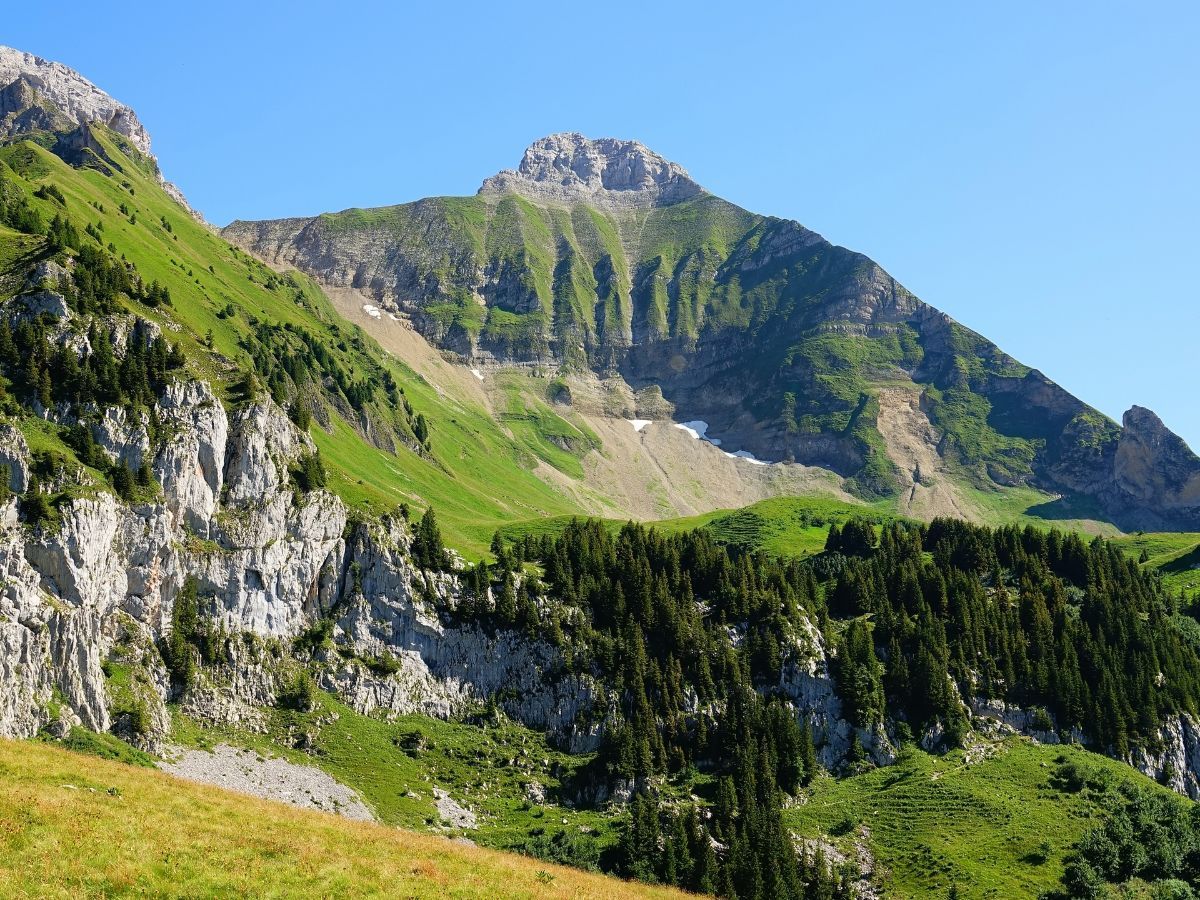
[(605, 172)]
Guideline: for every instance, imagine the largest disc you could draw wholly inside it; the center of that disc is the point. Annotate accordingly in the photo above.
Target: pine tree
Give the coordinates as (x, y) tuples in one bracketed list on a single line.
[(506, 602), (808, 754)]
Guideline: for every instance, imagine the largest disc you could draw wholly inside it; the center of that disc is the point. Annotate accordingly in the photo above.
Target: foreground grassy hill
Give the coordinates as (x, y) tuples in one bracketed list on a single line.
[(75, 826)]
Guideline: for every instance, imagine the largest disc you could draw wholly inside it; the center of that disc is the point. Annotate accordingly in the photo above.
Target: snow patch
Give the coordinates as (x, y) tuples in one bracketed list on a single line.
[(699, 430), (477, 374), (747, 456), (372, 310), (695, 428), (639, 424)]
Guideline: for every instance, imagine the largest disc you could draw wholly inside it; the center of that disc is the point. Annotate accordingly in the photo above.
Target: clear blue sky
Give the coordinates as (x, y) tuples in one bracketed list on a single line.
[(1031, 168)]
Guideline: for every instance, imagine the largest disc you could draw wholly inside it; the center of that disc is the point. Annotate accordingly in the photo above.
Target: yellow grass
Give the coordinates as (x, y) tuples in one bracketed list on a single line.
[(77, 826)]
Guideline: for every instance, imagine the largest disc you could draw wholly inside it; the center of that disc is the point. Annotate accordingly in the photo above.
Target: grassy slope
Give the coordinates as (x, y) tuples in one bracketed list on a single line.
[(1175, 554), (479, 478), (798, 526), (82, 827), (937, 821), (784, 525), (393, 766)]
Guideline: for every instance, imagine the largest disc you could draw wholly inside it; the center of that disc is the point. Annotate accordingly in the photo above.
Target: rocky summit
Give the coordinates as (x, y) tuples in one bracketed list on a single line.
[(607, 173), (27, 81)]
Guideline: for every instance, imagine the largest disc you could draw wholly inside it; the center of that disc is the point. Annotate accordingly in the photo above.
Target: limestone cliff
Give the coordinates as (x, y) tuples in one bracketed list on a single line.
[(99, 587)]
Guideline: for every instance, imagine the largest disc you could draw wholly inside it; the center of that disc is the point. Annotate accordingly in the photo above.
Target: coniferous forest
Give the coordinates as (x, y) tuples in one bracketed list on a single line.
[(694, 639), (299, 508)]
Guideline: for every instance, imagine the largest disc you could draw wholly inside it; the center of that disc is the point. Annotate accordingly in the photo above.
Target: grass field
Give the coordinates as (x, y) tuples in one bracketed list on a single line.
[(997, 827), (393, 765), (76, 826), (1174, 554)]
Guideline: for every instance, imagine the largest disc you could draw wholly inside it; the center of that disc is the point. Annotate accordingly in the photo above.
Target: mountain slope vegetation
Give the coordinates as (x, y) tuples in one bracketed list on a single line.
[(251, 332), (786, 345), (244, 505)]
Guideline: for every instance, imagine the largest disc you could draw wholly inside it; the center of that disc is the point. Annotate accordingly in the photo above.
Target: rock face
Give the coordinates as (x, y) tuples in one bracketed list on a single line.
[(97, 590), (38, 95), (601, 255), (807, 682), (100, 587), (1177, 761), (74, 97), (608, 173), (1156, 468)]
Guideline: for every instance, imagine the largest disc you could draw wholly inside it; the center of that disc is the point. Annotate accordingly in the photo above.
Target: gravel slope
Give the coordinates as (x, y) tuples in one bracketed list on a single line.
[(272, 779)]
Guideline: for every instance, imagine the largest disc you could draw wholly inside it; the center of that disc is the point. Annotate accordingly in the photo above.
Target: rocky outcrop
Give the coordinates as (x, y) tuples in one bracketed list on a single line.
[(608, 173), (71, 94), (397, 612), (1175, 758), (38, 95), (1158, 471), (191, 466), (807, 680), (99, 588)]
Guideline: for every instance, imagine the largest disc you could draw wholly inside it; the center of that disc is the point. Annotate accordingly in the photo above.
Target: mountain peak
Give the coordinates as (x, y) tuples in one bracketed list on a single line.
[(570, 168), (72, 95)]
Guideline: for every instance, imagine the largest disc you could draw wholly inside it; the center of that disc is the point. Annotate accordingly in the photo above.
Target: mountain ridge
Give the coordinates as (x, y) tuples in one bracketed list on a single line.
[(778, 339), (218, 526)]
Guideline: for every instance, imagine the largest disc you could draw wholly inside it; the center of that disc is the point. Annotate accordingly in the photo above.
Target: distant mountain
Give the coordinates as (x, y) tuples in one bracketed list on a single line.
[(602, 256)]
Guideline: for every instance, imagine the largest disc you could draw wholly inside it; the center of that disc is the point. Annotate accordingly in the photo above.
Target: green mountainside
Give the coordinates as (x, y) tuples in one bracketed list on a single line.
[(787, 346), (248, 330), (834, 692)]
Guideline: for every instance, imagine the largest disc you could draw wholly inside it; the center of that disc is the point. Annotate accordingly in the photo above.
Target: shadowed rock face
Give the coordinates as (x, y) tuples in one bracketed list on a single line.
[(603, 255), (1154, 466)]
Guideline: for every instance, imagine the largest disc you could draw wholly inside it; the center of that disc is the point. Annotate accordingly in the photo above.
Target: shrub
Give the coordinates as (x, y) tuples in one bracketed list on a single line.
[(300, 693), (309, 472)]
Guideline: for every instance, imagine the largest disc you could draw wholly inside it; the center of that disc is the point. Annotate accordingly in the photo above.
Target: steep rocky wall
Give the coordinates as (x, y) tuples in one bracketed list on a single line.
[(99, 588), (101, 585)]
